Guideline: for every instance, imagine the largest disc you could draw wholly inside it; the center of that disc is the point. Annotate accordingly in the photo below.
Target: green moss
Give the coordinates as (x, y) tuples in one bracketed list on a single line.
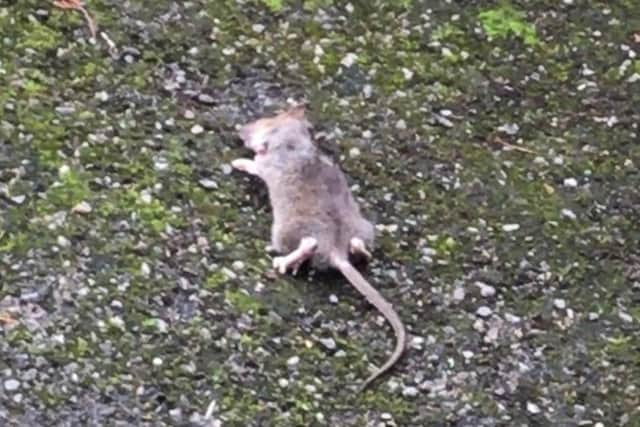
[(274, 5), (39, 37), (71, 190), (242, 301), (505, 20)]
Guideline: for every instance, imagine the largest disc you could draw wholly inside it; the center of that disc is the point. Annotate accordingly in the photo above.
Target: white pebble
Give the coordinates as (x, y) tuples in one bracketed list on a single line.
[(19, 199), (458, 294), (354, 152), (157, 361), (145, 270), (333, 299), (349, 59), (533, 408), (102, 96), (63, 242), (208, 183), (116, 322), (559, 303), (467, 354), (485, 290), (408, 74), (509, 128), (257, 28), (417, 343), (410, 391), (570, 182), (283, 382), (367, 91), (197, 129), (510, 227), (238, 265), (569, 214), (82, 208), (593, 316), (293, 361), (484, 311), (625, 317), (401, 125), (328, 343), (63, 170), (11, 385)]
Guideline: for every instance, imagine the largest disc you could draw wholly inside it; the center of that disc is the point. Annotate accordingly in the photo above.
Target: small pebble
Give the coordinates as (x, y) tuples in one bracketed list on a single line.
[(401, 125), (410, 391), (283, 382), (206, 99), (82, 208), (570, 182), (484, 311), (257, 28), (145, 270), (458, 294), (63, 242), (116, 322), (510, 227), (63, 171), (569, 214), (625, 317), (509, 128), (559, 303), (333, 299), (189, 115), (485, 290), (11, 384), (533, 408), (467, 354), (208, 183), (293, 361), (328, 343), (102, 96), (593, 316), (18, 200), (157, 361), (197, 129), (349, 59), (354, 152)]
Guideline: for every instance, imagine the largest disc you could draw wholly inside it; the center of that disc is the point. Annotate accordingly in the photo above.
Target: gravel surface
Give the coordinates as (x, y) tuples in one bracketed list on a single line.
[(495, 146)]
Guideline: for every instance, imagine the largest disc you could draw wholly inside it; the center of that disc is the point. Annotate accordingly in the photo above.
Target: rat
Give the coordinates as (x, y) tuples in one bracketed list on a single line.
[(315, 216)]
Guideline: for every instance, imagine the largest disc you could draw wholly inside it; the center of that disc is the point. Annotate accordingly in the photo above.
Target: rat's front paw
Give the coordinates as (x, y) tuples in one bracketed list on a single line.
[(280, 264)]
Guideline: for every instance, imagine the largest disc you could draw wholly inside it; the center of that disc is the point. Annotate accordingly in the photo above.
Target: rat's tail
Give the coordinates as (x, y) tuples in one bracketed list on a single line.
[(378, 301)]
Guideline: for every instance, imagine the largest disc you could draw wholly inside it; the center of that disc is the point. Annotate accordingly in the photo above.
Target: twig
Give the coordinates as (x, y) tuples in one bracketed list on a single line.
[(504, 143)]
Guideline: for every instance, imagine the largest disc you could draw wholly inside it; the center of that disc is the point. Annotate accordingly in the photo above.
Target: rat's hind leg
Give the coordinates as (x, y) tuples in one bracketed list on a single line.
[(305, 249), (358, 247)]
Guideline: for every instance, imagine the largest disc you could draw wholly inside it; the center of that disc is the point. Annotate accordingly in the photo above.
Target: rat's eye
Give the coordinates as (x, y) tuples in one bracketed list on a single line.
[(290, 146)]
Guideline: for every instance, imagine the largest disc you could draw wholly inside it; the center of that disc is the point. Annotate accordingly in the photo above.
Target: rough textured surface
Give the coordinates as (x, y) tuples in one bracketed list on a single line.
[(134, 286)]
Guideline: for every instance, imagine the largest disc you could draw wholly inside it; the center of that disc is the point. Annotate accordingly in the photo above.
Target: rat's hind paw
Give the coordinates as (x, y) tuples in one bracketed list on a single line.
[(358, 247)]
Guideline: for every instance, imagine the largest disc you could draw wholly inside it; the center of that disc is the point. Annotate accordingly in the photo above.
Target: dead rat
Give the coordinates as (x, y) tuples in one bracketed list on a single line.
[(315, 216)]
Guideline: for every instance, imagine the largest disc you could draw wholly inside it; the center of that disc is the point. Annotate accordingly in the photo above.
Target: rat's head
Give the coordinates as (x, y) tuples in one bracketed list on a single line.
[(287, 130)]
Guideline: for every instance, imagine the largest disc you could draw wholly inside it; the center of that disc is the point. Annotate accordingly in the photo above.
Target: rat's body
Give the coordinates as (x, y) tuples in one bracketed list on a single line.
[(315, 216)]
